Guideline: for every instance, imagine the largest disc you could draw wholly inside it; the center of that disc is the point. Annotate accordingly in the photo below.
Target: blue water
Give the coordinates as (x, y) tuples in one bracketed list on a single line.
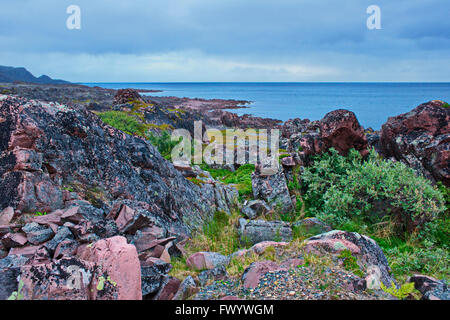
[(372, 103)]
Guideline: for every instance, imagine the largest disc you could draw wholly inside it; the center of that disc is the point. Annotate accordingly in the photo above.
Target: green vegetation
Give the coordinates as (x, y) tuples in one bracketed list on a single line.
[(39, 214), (446, 105), (125, 122), (350, 263), (403, 292), (341, 189), (241, 178), (17, 295), (387, 201), (163, 143)]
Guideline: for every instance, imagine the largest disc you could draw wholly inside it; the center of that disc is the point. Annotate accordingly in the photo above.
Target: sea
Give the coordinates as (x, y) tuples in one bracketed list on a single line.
[(372, 103)]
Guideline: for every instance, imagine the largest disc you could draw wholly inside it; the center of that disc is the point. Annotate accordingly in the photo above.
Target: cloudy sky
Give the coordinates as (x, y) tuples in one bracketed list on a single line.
[(228, 40)]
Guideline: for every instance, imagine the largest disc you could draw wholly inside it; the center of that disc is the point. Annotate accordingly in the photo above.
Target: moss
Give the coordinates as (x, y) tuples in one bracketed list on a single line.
[(350, 263), (445, 105), (196, 181)]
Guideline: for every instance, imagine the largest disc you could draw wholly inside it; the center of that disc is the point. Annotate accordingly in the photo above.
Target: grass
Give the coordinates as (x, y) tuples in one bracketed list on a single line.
[(241, 179), (125, 122)]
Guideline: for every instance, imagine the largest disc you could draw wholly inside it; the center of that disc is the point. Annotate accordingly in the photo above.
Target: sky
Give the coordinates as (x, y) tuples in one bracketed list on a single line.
[(228, 40)]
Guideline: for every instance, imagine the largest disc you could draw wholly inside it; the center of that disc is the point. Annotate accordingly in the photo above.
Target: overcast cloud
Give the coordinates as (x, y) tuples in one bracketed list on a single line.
[(228, 40)]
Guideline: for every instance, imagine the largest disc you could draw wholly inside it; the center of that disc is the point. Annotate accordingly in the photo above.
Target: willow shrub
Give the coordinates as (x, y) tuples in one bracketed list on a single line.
[(341, 189)]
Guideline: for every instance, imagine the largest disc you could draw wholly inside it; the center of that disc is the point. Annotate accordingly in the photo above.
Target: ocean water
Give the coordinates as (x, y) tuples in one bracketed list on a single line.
[(372, 103)]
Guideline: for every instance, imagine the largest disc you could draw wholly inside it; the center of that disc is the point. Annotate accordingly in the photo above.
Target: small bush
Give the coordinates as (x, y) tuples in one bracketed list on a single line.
[(341, 189)]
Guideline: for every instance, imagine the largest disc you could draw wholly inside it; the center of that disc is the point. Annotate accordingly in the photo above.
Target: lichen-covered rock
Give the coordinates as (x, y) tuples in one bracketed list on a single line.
[(430, 288), (421, 139), (369, 255), (272, 189), (46, 147), (120, 262), (36, 233), (207, 260), (339, 129), (153, 275), (255, 231), (255, 208), (187, 288), (65, 279), (217, 273)]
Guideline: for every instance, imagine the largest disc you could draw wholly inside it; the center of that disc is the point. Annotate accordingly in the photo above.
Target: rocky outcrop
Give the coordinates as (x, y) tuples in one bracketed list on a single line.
[(255, 231), (255, 208), (430, 288), (339, 129), (272, 189), (369, 255), (96, 190), (47, 148), (421, 139)]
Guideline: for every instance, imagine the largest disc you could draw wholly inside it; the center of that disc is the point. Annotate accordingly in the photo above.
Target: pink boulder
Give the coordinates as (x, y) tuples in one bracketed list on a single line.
[(119, 261)]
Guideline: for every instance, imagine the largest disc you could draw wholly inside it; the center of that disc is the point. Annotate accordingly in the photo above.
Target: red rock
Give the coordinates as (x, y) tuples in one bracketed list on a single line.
[(6, 215), (50, 218), (420, 138), (257, 270), (261, 247), (146, 242), (206, 260), (12, 240), (331, 245), (27, 251), (119, 260), (169, 288)]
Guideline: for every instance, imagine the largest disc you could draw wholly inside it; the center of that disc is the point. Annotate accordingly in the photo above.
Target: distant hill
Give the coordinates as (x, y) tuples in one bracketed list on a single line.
[(11, 74)]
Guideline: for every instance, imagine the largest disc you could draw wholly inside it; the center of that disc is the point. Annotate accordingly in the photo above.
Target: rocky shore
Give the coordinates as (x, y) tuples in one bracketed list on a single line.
[(91, 209)]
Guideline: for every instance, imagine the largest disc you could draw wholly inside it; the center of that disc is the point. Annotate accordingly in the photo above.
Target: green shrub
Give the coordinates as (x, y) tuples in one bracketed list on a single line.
[(241, 178), (342, 189), (163, 143), (403, 292), (123, 121)]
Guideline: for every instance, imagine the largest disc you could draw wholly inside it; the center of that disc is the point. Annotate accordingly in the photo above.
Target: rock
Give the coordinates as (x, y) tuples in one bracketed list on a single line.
[(169, 287), (6, 216), (421, 139), (9, 273), (272, 189), (66, 248), (152, 276), (217, 273), (62, 234), (206, 260), (255, 231), (120, 261), (12, 240), (369, 255), (430, 288), (187, 288), (261, 247), (288, 162), (339, 129), (65, 279), (36, 233), (255, 208), (124, 96), (256, 271), (311, 226), (44, 144)]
